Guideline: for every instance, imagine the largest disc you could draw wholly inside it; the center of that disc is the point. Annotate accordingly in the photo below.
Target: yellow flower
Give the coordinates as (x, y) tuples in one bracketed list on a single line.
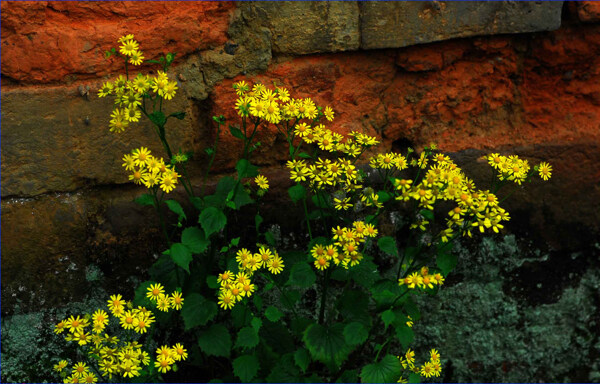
[(76, 324), (140, 156), (132, 114), (136, 58), (321, 263), (142, 323), (141, 83), (154, 291), (283, 94), (226, 300), (163, 303), (167, 182), (60, 366), (545, 170), (163, 364), (100, 317), (176, 300), (328, 113), (106, 89), (128, 47), (342, 203), (126, 320), (275, 265), (180, 352), (241, 87), (80, 368), (427, 370), (168, 91), (60, 327), (123, 39), (115, 304), (435, 355), (262, 182)]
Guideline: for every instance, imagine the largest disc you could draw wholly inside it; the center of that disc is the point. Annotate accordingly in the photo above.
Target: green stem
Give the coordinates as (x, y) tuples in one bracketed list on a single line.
[(161, 218), (381, 349), (306, 217), (325, 286)]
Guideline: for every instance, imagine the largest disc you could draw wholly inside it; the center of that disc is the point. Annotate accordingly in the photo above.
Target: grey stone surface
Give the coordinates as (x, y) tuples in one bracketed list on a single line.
[(400, 24), (53, 139), (312, 26)]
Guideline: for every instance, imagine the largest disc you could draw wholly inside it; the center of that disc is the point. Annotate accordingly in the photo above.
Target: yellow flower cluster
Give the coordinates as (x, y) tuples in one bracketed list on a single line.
[(116, 357), (166, 357), (275, 105), (345, 248), (156, 293), (149, 170), (422, 279), (130, 48), (130, 95), (430, 368), (513, 168), (80, 373), (444, 180), (234, 287), (388, 161)]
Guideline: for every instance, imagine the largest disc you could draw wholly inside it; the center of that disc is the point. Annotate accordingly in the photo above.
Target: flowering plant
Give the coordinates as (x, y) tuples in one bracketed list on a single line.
[(338, 306)]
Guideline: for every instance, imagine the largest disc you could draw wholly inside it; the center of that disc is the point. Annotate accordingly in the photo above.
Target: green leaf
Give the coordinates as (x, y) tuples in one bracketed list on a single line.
[(236, 132), (353, 306), (257, 221), (165, 271), (197, 310), (405, 335), (181, 255), (388, 245), (383, 196), (258, 302), (175, 207), (388, 317), (426, 213), (140, 294), (414, 378), (215, 341), (212, 220), (212, 282), (272, 313), (247, 338), (297, 192), (270, 238), (193, 238), (327, 343), (290, 298), (387, 370), (302, 276), (302, 359), (304, 155), (158, 118), (245, 169), (245, 367), (356, 333), (256, 323), (145, 199), (446, 261), (178, 115)]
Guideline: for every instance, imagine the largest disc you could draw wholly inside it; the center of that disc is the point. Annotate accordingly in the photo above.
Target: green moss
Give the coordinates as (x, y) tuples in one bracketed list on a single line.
[(29, 346), (489, 336)]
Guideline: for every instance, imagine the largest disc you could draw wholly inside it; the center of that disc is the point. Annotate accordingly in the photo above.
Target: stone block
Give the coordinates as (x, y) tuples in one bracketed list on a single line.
[(55, 139), (309, 27), (45, 42), (400, 24)]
